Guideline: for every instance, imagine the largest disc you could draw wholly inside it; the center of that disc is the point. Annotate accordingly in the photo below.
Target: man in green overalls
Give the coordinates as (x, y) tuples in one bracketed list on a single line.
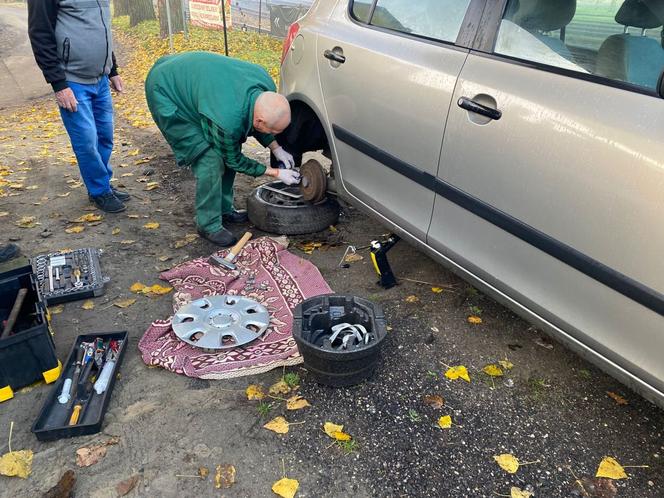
[(206, 105)]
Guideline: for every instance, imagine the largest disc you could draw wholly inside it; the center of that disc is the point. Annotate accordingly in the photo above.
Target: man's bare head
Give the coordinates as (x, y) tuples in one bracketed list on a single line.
[(272, 113)]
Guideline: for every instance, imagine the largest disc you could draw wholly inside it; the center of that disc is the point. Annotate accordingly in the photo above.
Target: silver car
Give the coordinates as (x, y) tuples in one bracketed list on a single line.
[(518, 142)]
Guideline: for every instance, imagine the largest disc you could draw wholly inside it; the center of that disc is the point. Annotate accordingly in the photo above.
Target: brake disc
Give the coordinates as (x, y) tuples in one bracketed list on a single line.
[(221, 322), (314, 181)]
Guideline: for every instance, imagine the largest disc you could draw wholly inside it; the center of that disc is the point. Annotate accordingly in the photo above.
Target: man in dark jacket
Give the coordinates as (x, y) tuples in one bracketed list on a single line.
[(73, 46)]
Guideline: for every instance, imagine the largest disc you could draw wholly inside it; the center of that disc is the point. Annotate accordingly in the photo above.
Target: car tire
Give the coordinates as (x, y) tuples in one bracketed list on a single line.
[(289, 217)]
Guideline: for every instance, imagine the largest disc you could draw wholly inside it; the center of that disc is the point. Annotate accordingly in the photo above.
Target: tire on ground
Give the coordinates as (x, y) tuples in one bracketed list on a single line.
[(291, 220)]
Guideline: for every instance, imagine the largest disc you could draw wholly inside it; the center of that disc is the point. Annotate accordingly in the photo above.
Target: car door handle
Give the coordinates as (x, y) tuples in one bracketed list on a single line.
[(472, 106), (334, 56)]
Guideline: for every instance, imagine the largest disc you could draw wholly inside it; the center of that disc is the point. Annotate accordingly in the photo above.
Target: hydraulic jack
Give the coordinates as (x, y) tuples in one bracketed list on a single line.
[(379, 251)]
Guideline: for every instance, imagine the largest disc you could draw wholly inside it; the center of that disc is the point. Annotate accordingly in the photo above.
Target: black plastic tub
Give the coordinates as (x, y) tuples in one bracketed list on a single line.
[(313, 320)]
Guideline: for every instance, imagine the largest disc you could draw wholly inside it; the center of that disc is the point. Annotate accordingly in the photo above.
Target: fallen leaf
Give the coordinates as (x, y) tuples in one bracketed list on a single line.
[(278, 425), (4, 213), (64, 488), (203, 472), (434, 401), (412, 299), (509, 463), (89, 217), (493, 370), (124, 303), (115, 231), (506, 364), (336, 432), (152, 225), (611, 469), (151, 186), (27, 222), (133, 152), (137, 287), (188, 239), (445, 422), (437, 290), (224, 477), (597, 487), (56, 310), (66, 194), (165, 258), (458, 372), (123, 488), (475, 320), (132, 216), (296, 403), (255, 392), (309, 247), (280, 388), (85, 457), (127, 242), (353, 258), (88, 305), (75, 229), (617, 398), (156, 290), (16, 464), (286, 488), (125, 175), (520, 493)]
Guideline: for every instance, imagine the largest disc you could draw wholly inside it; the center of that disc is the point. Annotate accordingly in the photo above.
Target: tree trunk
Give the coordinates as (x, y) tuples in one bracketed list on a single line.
[(177, 18), (120, 8), (140, 10)]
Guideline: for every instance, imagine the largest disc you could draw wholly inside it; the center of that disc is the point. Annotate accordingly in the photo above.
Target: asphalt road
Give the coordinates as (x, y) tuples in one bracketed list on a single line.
[(20, 78)]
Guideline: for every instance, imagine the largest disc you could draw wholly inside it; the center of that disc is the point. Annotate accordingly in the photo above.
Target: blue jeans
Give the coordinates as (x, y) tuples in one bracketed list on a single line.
[(90, 130)]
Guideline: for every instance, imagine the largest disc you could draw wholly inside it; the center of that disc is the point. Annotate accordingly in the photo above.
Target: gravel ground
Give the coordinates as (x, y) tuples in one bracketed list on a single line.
[(551, 408)]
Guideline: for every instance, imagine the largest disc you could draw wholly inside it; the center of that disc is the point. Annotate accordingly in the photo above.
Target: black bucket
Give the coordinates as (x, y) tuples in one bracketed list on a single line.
[(313, 320)]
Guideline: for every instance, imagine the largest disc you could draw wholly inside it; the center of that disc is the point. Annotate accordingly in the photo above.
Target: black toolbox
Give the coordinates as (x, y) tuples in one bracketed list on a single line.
[(28, 353), (53, 420)]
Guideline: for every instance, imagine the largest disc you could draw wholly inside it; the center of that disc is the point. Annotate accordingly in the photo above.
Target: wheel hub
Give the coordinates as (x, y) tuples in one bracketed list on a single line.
[(314, 182)]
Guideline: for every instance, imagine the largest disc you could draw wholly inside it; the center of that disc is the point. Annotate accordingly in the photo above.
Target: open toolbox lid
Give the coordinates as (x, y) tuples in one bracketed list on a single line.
[(69, 275), (15, 267)]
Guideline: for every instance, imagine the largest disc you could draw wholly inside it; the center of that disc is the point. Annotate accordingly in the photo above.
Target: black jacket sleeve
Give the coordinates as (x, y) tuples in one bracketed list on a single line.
[(42, 15)]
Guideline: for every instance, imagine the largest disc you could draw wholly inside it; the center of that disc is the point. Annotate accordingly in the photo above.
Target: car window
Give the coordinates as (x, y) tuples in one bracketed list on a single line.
[(361, 11), (437, 19), (616, 39)]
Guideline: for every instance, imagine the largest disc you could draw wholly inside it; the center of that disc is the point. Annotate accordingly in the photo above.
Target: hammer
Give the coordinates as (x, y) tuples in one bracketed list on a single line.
[(227, 262)]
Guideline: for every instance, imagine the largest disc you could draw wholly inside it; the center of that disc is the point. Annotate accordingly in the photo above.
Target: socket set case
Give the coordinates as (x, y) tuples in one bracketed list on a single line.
[(53, 420), (74, 275), (27, 353)]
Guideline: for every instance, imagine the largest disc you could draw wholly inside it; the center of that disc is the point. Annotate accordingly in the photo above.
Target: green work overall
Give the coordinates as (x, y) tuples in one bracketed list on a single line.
[(203, 103)]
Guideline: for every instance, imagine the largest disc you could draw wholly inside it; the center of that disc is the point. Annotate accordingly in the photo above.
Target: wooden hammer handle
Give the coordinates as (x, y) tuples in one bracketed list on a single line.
[(13, 315), (235, 250)]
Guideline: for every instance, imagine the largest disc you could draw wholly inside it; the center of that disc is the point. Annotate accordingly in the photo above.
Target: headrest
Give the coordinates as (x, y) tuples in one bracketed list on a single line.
[(638, 14), (543, 15)]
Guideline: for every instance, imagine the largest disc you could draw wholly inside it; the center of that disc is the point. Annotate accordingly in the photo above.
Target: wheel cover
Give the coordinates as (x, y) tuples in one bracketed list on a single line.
[(221, 322), (314, 182)]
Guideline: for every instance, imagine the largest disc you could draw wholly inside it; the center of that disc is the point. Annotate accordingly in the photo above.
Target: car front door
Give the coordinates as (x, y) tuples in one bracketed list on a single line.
[(551, 184), (388, 70)]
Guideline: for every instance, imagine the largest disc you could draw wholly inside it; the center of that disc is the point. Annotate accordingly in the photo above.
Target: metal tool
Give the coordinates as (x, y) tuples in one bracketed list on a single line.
[(227, 262), (68, 393), (281, 192), (221, 322), (381, 264), (109, 366), (13, 314), (77, 275), (346, 336)]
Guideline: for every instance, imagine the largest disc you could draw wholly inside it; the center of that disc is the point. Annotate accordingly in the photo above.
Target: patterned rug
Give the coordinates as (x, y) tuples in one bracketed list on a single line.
[(282, 280)]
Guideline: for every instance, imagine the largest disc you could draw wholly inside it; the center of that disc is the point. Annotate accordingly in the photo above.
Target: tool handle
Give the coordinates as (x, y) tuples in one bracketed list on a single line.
[(65, 394), (235, 250), (105, 375), (13, 315), (76, 412)]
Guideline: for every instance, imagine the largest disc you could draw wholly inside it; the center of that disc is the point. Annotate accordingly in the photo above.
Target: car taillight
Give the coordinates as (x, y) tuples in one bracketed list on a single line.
[(288, 41)]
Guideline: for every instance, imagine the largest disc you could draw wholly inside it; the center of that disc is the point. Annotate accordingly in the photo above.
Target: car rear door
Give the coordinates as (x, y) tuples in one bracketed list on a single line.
[(388, 70), (558, 201)]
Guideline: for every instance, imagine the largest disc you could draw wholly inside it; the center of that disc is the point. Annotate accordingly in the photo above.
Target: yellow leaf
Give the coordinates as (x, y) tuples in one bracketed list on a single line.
[(445, 422), (16, 464), (296, 403), (506, 364), (153, 225), (280, 388), (75, 229), (255, 392), (89, 218), (124, 303), (157, 290), (133, 152), (336, 432), (520, 493), (475, 320), (151, 186), (32, 187), (412, 299), (4, 213), (188, 239), (66, 194), (611, 469), (137, 287), (125, 175), (132, 216), (509, 463), (165, 258), (127, 242), (352, 258), (224, 476), (286, 488), (27, 222), (493, 370), (115, 231), (278, 425), (56, 310), (88, 305), (458, 372), (437, 290)]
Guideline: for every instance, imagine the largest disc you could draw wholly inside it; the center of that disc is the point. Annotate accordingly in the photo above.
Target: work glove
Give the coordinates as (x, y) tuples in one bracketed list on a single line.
[(289, 176), (284, 157)]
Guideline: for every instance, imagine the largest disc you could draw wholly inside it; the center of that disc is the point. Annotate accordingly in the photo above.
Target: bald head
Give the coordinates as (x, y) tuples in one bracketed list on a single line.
[(272, 113)]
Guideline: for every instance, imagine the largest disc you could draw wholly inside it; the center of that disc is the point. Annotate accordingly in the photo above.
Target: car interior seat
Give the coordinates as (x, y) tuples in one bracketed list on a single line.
[(634, 57), (542, 17)]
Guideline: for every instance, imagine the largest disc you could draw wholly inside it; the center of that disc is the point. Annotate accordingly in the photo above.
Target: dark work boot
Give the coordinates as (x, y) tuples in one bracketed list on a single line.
[(122, 196), (235, 217), (222, 238), (108, 203)]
